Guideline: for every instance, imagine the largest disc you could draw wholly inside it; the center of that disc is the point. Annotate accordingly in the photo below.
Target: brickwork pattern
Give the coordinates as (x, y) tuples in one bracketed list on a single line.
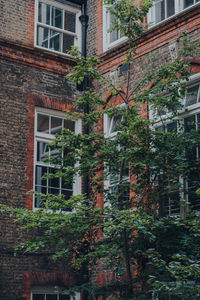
[(18, 82), (17, 20)]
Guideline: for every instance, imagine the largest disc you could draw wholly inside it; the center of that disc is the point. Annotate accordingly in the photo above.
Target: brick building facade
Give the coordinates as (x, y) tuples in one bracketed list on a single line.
[(32, 71)]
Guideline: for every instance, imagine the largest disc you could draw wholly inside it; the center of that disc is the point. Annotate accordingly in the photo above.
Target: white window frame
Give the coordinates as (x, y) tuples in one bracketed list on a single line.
[(185, 112), (51, 290), (43, 137), (178, 7), (108, 123), (106, 35), (64, 7)]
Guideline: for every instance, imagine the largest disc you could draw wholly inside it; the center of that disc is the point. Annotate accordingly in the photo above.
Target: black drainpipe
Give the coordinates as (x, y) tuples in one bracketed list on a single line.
[(84, 22)]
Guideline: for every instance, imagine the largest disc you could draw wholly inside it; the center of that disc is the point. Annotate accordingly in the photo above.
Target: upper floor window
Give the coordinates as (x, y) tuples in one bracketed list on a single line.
[(111, 35), (47, 124), (57, 27), (163, 9)]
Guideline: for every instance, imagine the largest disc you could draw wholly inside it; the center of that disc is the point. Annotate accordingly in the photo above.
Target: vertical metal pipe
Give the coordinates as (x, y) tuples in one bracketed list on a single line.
[(84, 22)]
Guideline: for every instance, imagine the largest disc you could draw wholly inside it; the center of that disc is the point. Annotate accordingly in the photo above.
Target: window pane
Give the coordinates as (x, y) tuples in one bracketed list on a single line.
[(39, 173), (70, 21), (40, 190), (42, 151), (42, 37), (67, 186), (190, 123), (68, 42), (44, 13), (174, 201), (55, 40), (54, 182), (115, 122), (114, 34), (67, 194), (191, 96), (53, 191), (188, 3), (193, 185), (69, 125), (64, 297), (159, 11), (57, 17), (170, 8), (198, 123), (172, 127), (43, 123), (38, 297), (159, 128), (56, 125), (51, 297)]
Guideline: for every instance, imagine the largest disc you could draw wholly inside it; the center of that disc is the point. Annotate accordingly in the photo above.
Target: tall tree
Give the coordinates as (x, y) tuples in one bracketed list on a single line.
[(139, 167)]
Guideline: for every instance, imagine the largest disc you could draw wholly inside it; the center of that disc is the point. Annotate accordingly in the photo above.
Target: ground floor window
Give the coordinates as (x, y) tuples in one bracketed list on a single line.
[(49, 293)]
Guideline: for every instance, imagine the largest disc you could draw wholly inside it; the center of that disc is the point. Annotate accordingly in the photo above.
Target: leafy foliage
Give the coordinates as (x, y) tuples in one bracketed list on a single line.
[(123, 226)]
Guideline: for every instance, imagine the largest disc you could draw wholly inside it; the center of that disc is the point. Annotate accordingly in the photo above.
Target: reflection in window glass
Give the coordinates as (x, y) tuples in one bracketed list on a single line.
[(53, 17), (159, 10), (43, 123), (70, 21), (47, 126), (55, 40), (44, 13), (192, 96), (115, 121), (57, 17), (56, 125)]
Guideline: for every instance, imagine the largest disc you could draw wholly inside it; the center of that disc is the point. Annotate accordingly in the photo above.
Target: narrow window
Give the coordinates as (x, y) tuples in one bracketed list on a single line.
[(47, 125)]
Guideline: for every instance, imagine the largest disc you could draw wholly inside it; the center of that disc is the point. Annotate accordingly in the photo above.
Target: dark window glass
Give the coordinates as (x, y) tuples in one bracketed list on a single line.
[(51, 297), (42, 151), (69, 125), (39, 173), (70, 21), (172, 127), (67, 194), (56, 125), (38, 296), (159, 128), (188, 3), (64, 297), (54, 182), (68, 42), (170, 8), (67, 186), (190, 123), (43, 123)]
